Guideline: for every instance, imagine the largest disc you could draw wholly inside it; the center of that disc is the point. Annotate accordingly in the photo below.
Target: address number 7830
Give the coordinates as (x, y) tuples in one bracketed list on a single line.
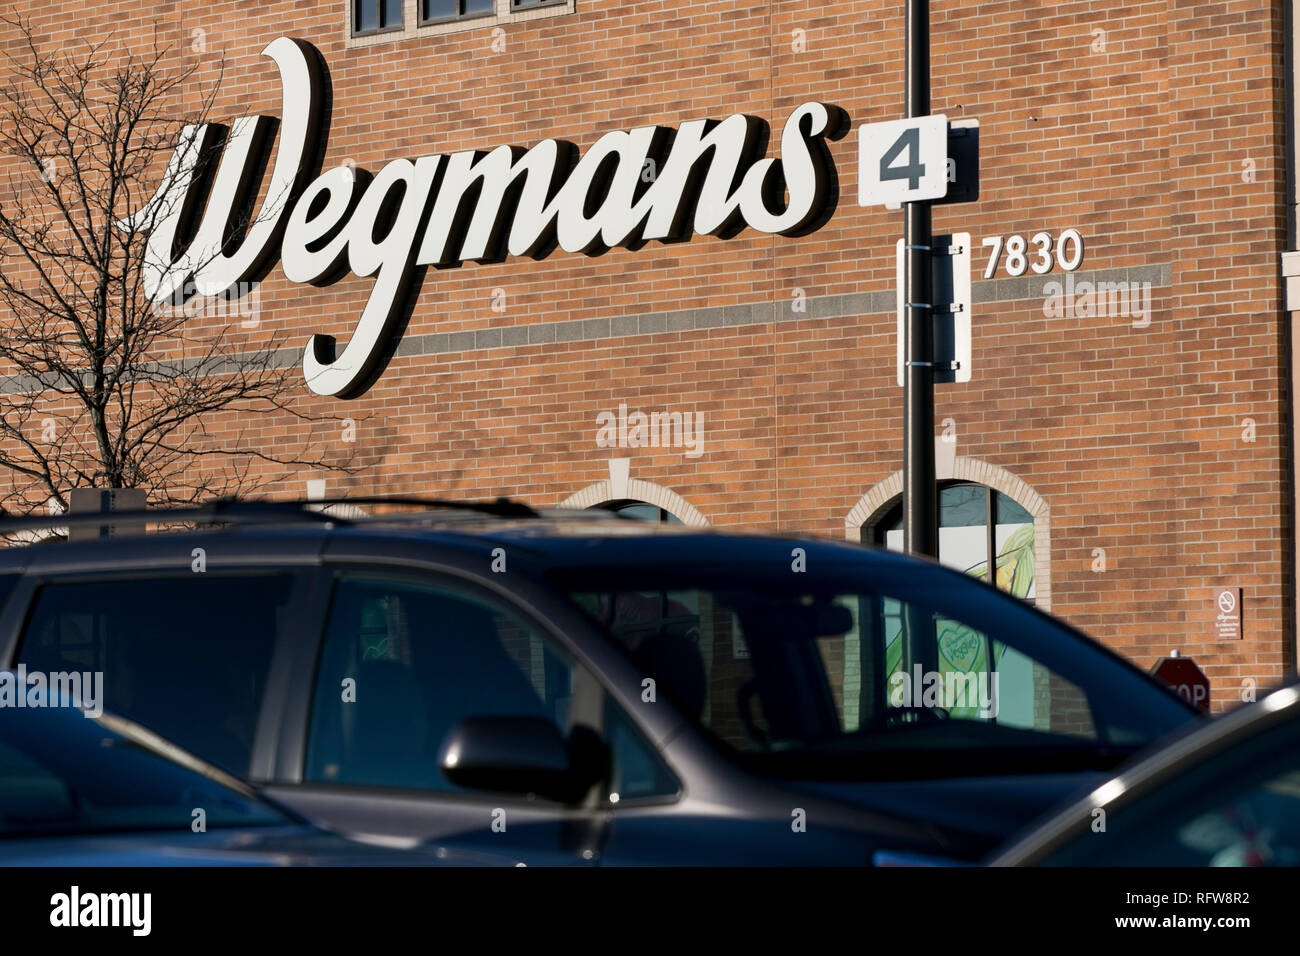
[(1040, 253)]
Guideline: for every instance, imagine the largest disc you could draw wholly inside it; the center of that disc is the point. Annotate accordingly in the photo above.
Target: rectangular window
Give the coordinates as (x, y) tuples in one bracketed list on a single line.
[(376, 16), (530, 4), (404, 662), (184, 657), (854, 675), (440, 11)]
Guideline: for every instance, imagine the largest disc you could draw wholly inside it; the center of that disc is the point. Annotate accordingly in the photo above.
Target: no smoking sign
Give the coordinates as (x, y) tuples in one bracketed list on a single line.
[(1226, 608)]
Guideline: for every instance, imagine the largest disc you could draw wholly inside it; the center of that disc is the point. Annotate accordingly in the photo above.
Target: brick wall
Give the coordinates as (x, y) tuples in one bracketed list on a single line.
[(1153, 128)]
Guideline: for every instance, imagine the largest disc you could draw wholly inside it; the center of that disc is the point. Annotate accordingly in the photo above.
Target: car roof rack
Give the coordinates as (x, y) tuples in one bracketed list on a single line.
[(235, 511), (500, 507)]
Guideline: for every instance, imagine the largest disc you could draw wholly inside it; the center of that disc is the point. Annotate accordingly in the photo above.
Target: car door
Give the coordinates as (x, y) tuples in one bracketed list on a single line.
[(404, 656), (201, 659)]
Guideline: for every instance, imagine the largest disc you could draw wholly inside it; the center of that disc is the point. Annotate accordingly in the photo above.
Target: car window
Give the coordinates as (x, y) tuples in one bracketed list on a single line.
[(952, 670), (1240, 807), (61, 773), (804, 673), (403, 662), (638, 772), (185, 657), (7, 584)]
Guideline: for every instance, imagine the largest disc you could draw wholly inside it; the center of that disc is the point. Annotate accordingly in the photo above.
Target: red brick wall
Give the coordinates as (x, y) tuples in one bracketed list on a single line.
[(1132, 435)]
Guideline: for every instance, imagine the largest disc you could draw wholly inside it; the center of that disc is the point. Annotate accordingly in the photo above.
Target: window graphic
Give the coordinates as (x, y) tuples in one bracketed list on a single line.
[(985, 534), (979, 528)]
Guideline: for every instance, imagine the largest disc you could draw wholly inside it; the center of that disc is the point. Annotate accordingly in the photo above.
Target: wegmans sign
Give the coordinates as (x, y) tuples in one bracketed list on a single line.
[(711, 177)]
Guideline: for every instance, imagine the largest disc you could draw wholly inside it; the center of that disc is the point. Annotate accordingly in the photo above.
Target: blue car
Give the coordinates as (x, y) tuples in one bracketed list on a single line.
[(100, 791), (578, 688)]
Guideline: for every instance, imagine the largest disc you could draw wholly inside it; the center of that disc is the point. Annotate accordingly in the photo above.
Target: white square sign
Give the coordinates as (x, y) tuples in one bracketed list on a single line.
[(903, 160)]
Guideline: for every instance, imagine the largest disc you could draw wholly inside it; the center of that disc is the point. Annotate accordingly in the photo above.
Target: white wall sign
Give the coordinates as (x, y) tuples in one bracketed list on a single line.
[(903, 161), (713, 178), (951, 297)]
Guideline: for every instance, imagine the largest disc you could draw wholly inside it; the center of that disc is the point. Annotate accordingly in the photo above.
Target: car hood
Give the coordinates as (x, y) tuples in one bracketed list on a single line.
[(251, 846), (975, 814)]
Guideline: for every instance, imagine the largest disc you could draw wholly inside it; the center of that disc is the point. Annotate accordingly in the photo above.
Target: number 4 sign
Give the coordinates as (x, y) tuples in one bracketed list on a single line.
[(903, 160)]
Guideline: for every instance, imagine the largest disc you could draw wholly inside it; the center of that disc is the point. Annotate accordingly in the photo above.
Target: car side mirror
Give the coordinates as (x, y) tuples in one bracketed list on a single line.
[(515, 754)]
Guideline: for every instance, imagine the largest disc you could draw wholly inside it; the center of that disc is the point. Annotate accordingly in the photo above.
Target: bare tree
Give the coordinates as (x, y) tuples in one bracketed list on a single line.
[(100, 386)]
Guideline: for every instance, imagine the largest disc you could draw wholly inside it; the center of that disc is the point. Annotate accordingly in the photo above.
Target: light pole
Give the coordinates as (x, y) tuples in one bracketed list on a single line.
[(920, 504)]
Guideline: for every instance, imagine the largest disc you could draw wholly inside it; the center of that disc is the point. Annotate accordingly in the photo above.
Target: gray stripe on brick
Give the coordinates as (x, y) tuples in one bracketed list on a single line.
[(1009, 289), (689, 320), (569, 331)]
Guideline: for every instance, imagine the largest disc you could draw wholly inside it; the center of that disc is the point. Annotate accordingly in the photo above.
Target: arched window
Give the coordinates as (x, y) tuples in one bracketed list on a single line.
[(982, 532), (639, 509), (644, 499)]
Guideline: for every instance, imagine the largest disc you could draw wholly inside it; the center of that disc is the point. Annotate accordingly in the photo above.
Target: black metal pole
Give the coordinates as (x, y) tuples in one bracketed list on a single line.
[(920, 505)]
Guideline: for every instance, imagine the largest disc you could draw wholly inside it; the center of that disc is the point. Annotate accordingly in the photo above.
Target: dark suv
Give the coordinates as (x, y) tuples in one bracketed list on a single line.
[(574, 688)]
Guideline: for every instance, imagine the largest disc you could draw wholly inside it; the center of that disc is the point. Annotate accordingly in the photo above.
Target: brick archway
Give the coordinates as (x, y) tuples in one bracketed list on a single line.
[(883, 494), (620, 485)]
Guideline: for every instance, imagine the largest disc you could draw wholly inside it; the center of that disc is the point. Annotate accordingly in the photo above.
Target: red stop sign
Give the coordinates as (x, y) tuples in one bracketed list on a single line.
[(1182, 674)]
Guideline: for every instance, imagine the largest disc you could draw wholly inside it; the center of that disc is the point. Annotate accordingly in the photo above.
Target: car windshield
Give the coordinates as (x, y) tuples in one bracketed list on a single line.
[(64, 773), (801, 674), (1238, 806)]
